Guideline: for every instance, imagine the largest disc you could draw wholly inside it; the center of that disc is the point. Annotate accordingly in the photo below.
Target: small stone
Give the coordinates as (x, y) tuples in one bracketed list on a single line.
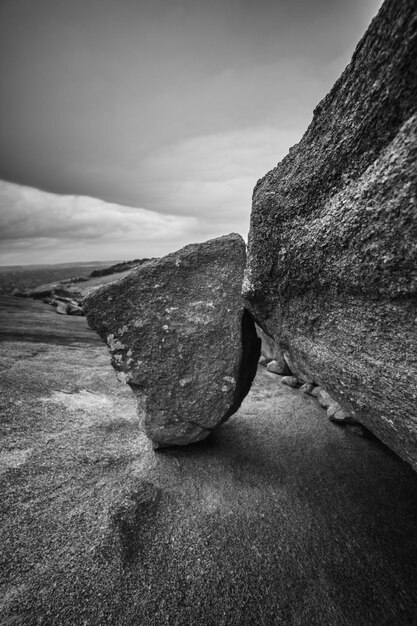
[(262, 360), (62, 308), (332, 409), (340, 416), (324, 398), (277, 367), (291, 381), (315, 392), (308, 388)]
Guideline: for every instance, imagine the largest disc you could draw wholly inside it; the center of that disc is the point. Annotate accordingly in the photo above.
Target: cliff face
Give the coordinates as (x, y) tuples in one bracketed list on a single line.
[(332, 262)]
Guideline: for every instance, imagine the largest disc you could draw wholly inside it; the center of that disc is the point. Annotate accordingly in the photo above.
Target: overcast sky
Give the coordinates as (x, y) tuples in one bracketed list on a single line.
[(153, 119)]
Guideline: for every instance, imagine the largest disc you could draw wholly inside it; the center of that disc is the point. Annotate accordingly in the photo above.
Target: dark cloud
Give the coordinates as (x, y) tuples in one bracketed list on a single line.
[(177, 107)]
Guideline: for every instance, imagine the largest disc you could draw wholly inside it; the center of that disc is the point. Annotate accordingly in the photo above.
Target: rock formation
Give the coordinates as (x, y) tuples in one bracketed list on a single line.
[(179, 335), (332, 260), (272, 356)]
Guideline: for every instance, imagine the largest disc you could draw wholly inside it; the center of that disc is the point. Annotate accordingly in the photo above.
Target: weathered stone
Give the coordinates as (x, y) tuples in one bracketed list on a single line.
[(62, 308), (179, 335), (297, 370), (324, 398), (332, 261), (272, 352), (97, 531), (278, 367), (337, 414), (290, 381), (70, 301), (331, 409), (308, 388), (73, 309)]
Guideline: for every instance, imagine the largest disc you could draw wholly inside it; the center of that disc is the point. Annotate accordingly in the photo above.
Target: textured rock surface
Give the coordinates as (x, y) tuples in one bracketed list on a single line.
[(278, 367), (290, 381), (179, 335), (282, 519), (332, 263), (271, 351), (307, 388)]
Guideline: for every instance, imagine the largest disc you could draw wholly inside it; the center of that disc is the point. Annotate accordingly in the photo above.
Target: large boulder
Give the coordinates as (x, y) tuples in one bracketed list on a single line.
[(180, 337), (332, 260)]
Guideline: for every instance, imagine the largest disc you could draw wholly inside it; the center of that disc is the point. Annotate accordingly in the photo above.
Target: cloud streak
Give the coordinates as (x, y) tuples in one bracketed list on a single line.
[(46, 227)]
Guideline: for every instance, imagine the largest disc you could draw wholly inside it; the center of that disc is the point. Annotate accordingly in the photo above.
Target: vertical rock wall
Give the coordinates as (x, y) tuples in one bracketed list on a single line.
[(332, 261)]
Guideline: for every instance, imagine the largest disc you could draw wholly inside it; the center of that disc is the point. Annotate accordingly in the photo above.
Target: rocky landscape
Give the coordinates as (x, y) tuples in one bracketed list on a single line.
[(331, 275), (276, 515), (279, 517)]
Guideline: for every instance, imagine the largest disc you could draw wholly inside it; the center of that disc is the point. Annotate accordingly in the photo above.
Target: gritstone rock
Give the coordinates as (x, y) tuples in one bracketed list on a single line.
[(307, 388), (290, 381), (338, 415), (179, 335), (62, 308), (277, 367), (272, 353), (324, 398), (332, 257)]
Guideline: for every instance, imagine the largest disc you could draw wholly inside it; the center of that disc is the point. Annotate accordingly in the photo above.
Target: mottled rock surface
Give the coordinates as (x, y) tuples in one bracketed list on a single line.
[(290, 381), (179, 335), (307, 388), (281, 519), (278, 367), (332, 261)]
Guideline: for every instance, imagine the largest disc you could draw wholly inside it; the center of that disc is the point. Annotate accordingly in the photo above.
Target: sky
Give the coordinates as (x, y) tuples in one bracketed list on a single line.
[(129, 128)]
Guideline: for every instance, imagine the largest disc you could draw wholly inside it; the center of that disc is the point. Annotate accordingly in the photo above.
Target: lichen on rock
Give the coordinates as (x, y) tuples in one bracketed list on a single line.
[(179, 335)]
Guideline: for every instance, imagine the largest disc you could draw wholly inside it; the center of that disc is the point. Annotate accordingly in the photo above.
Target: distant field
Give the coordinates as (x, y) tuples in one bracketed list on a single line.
[(27, 276)]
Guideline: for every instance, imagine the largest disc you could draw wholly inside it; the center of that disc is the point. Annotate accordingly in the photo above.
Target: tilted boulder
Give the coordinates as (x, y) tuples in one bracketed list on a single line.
[(180, 337), (332, 256)]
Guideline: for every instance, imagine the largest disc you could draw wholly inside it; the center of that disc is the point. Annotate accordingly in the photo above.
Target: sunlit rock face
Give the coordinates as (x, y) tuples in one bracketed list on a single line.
[(180, 337), (332, 258)]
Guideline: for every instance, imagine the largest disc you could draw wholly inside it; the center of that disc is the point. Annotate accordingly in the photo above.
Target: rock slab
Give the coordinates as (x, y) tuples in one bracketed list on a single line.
[(179, 335), (332, 257)]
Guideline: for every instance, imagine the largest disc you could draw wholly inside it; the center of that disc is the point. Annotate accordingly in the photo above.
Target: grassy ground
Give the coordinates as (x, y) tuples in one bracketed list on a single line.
[(280, 518)]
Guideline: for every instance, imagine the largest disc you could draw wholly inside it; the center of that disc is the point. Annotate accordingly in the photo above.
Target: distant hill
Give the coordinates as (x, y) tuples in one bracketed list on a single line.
[(27, 277)]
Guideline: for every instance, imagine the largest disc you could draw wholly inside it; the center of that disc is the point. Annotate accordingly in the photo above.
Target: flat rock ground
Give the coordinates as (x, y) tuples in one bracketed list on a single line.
[(280, 518)]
